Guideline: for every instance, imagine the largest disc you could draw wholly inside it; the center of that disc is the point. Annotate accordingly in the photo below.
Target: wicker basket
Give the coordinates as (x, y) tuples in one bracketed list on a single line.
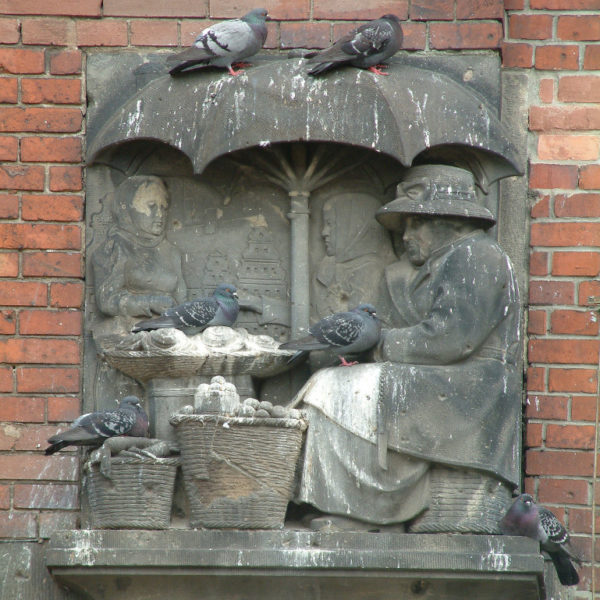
[(138, 494), (238, 471), (463, 501)]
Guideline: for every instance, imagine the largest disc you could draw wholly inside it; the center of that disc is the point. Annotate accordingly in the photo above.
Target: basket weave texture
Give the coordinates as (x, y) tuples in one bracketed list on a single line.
[(463, 501), (138, 494), (238, 471)]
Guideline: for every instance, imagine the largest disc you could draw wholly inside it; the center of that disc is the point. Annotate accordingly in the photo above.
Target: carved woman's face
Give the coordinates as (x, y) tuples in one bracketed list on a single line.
[(150, 208)]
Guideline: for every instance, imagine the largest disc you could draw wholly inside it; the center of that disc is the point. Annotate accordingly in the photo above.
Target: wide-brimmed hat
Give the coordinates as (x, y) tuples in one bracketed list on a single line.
[(435, 190)]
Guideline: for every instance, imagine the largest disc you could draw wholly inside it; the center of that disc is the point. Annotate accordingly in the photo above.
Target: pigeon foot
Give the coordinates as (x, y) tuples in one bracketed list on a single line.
[(377, 69)]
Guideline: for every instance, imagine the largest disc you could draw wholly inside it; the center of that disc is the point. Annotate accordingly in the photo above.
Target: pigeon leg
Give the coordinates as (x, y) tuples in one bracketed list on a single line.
[(377, 69), (345, 363)]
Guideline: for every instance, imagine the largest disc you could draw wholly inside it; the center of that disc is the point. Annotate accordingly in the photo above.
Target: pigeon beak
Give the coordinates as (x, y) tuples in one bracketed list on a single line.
[(234, 294)]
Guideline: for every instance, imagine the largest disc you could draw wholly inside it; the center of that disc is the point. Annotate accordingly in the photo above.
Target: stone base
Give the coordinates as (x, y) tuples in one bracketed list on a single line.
[(253, 565)]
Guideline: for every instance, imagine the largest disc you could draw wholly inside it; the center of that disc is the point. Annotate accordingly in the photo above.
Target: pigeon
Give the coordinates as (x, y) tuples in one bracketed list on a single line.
[(92, 429), (224, 44), (526, 518), (365, 47), (219, 309), (350, 332)]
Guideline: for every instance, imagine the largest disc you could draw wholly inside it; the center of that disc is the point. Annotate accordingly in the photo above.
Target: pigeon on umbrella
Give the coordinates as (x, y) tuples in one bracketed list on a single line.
[(219, 309), (92, 429), (526, 518), (224, 44), (352, 332), (365, 47)]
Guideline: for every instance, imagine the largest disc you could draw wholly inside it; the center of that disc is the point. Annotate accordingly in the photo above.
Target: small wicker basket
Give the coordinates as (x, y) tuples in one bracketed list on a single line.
[(463, 501), (238, 471), (137, 495)]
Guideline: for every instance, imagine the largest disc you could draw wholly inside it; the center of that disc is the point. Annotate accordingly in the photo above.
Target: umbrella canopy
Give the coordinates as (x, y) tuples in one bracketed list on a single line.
[(208, 114)]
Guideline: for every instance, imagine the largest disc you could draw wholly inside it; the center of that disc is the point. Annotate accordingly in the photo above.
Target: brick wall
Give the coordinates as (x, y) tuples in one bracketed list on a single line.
[(42, 125)]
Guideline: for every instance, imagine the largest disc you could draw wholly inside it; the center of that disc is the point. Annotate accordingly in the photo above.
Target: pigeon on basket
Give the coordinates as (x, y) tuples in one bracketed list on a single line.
[(352, 332), (224, 44), (92, 429), (365, 47), (221, 308), (526, 518)]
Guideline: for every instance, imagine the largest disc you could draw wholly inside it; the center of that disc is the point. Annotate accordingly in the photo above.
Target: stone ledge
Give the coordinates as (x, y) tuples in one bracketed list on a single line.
[(186, 565)]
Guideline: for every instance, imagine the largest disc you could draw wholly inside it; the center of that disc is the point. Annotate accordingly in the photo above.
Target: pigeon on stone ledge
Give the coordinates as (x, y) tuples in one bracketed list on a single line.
[(92, 429), (221, 308), (365, 47), (224, 44), (526, 518), (352, 332)]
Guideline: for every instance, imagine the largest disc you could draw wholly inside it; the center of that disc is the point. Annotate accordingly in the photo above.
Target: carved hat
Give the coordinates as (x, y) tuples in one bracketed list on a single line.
[(436, 190)]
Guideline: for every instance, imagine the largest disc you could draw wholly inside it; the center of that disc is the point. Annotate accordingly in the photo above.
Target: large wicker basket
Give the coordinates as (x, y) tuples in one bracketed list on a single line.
[(463, 501), (137, 495), (238, 471)]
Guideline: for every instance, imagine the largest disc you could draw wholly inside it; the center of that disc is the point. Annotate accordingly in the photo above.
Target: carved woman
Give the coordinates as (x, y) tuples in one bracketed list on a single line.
[(137, 271)]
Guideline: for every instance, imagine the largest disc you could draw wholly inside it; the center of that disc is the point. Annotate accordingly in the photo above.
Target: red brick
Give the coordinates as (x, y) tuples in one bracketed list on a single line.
[(8, 90), (66, 295), (574, 322), (476, 9), (530, 27), (51, 91), (551, 292), (33, 466), (65, 62), (16, 60), (536, 322), (15, 525), (514, 4), (63, 408), (543, 176), (541, 208), (9, 148), (539, 406), (538, 263), (564, 4), (589, 293), (579, 28), (348, 9), (48, 380), (415, 36), (576, 264), (547, 91), (432, 10), (21, 409), (572, 464), (518, 56), (563, 491), (21, 177), (22, 293), (51, 149), (573, 380), (9, 264), (51, 208), (33, 438), (564, 351), (159, 8), (543, 118), (8, 322), (56, 120), (589, 177), (580, 520), (445, 36), (190, 30), (46, 322), (9, 31), (65, 179), (579, 88), (52, 264), (535, 379), (48, 32), (38, 350), (29, 495), (553, 58), (591, 58), (45, 237), (9, 206), (87, 8), (533, 435), (305, 35), (101, 33), (577, 205), (6, 379), (51, 522), (153, 33), (4, 496), (583, 408), (570, 436)]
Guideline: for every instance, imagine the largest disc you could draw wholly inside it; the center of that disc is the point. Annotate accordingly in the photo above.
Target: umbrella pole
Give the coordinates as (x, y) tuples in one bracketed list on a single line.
[(300, 279)]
